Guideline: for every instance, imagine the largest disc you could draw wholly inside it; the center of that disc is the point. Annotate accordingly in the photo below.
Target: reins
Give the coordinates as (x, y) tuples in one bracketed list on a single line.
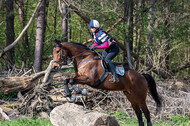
[(73, 57)]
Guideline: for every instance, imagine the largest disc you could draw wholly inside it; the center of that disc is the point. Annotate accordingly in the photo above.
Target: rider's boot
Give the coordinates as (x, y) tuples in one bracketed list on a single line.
[(112, 69)]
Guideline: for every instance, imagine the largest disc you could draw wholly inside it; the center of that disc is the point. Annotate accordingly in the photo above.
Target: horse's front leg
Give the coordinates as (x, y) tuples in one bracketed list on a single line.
[(66, 87), (67, 91), (79, 80)]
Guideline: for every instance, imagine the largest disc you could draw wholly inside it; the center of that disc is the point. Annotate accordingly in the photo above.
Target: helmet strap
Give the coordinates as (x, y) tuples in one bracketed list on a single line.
[(97, 30)]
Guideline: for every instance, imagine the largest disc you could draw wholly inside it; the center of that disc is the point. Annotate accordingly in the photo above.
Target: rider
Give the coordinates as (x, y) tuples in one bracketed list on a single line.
[(103, 41)]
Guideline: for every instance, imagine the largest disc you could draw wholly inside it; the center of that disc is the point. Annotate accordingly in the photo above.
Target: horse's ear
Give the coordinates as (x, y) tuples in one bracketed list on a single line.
[(53, 43), (56, 43)]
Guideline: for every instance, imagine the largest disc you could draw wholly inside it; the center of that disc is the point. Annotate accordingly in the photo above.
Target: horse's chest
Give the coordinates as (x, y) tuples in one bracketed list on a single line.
[(83, 69)]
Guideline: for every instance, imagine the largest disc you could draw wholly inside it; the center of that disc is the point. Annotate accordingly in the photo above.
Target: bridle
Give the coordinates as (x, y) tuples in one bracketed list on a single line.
[(63, 59)]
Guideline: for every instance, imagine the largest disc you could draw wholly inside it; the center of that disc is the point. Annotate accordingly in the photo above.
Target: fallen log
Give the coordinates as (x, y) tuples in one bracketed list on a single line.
[(16, 84), (70, 114)]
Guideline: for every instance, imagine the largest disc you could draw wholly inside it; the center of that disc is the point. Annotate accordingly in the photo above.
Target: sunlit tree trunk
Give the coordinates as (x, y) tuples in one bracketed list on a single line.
[(64, 22), (10, 35), (40, 30), (128, 22)]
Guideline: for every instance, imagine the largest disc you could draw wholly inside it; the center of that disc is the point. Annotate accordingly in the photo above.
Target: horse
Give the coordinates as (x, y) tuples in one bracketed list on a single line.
[(88, 69)]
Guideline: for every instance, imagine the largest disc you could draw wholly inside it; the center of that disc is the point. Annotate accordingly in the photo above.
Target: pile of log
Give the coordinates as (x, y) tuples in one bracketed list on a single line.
[(24, 83)]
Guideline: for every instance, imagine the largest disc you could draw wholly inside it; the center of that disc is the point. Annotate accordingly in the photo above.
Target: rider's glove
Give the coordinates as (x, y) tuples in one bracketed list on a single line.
[(93, 47)]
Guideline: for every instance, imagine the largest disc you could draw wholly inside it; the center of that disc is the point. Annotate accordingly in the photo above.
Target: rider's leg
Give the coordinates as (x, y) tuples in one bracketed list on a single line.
[(111, 53), (112, 68)]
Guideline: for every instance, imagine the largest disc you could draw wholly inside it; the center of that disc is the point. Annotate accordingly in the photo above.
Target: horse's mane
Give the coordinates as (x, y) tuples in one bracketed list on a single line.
[(78, 44)]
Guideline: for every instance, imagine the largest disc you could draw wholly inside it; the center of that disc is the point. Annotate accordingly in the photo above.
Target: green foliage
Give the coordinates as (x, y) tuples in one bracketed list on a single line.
[(121, 116), (171, 24), (26, 122), (69, 70), (7, 96), (180, 120)]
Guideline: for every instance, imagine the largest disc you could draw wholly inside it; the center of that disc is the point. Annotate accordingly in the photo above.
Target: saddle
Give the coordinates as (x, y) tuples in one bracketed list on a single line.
[(120, 70)]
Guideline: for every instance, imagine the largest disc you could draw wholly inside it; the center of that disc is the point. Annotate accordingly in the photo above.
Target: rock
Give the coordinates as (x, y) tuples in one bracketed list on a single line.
[(70, 114)]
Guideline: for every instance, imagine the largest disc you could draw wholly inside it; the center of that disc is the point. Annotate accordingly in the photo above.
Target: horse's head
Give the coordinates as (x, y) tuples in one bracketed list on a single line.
[(59, 56)]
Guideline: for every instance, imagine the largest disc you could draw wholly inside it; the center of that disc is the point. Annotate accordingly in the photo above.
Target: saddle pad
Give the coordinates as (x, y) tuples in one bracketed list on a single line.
[(119, 69)]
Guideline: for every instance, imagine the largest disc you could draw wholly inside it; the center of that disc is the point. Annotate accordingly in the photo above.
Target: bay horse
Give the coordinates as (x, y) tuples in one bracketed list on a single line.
[(88, 69)]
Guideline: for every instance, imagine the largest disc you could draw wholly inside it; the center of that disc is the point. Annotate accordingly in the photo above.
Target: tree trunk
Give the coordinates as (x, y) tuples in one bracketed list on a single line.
[(55, 17), (10, 35), (150, 36), (139, 29), (40, 30), (21, 34), (70, 114), (22, 18), (128, 21), (64, 22)]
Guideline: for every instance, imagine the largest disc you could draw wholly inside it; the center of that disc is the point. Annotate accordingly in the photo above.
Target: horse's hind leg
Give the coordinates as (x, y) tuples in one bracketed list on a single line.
[(138, 113), (136, 109), (146, 112)]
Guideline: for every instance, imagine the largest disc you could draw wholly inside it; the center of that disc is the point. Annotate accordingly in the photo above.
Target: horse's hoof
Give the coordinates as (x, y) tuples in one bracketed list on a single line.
[(72, 98), (83, 92)]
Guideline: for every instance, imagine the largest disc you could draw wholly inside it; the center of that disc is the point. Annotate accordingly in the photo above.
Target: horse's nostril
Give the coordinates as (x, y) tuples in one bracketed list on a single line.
[(55, 67)]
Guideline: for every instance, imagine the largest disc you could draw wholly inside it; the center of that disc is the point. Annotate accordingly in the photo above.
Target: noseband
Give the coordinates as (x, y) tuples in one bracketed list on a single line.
[(61, 59)]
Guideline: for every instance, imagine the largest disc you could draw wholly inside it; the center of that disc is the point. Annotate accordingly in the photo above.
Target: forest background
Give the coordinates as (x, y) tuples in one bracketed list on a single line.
[(153, 35)]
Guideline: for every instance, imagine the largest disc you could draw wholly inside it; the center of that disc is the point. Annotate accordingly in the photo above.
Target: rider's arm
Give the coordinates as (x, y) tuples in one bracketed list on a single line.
[(105, 45), (95, 43)]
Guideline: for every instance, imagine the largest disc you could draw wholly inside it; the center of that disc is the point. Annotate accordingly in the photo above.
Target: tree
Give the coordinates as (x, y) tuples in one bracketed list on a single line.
[(10, 35), (128, 21), (40, 30), (150, 36), (64, 22), (139, 29), (166, 38), (22, 17)]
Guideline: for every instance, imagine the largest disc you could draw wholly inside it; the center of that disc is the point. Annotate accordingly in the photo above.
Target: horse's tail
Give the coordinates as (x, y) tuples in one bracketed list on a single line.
[(153, 91)]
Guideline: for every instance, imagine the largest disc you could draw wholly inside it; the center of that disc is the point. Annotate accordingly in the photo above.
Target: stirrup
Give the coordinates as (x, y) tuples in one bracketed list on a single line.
[(114, 80)]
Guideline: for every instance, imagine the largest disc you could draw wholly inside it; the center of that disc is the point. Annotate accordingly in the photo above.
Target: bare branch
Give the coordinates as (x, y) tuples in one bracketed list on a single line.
[(21, 34)]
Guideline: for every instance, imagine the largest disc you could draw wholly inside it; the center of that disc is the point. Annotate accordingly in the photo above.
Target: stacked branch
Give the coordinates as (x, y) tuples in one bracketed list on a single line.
[(17, 84)]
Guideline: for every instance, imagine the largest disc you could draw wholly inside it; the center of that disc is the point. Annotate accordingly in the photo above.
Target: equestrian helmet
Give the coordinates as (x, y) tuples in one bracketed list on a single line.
[(94, 24)]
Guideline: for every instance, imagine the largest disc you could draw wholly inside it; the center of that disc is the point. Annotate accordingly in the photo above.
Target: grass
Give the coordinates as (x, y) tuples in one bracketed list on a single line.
[(26, 122), (178, 120), (70, 70)]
